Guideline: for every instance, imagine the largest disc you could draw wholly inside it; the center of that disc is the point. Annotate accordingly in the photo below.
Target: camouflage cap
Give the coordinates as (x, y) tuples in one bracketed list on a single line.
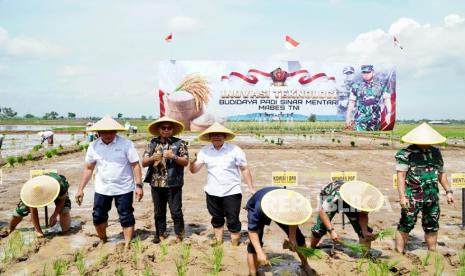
[(348, 70), (366, 68)]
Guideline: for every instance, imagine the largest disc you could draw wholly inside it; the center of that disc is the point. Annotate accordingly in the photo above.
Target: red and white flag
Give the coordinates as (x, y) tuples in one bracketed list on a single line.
[(397, 43), (291, 43), (169, 37)]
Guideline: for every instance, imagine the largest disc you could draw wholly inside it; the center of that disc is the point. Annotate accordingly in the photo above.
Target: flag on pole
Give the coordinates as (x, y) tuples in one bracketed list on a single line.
[(291, 43), (169, 37), (397, 43)]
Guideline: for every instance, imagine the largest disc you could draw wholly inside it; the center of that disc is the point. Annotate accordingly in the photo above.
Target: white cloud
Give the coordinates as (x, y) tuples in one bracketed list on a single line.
[(26, 46), (453, 20), (74, 71), (182, 23)]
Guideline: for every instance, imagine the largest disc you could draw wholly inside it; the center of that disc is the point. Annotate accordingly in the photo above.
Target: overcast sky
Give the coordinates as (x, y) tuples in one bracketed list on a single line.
[(99, 57)]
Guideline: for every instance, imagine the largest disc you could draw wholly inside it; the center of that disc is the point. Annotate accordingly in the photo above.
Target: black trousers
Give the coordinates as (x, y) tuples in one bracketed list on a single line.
[(173, 197), (227, 207), (298, 236)]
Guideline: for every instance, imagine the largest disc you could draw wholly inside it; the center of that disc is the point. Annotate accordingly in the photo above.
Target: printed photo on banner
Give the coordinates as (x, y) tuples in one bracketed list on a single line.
[(200, 93), (34, 173)]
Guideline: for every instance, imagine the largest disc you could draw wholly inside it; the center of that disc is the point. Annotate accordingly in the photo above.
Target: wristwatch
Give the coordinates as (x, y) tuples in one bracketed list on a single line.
[(140, 185), (449, 191)]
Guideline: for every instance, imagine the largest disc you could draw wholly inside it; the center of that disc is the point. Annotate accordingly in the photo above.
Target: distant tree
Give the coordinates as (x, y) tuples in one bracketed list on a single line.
[(7, 112), (120, 115), (52, 115), (28, 116), (312, 118), (71, 115), (143, 117)]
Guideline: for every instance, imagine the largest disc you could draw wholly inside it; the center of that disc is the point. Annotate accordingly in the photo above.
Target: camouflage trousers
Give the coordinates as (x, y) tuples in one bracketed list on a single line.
[(429, 216), (319, 229), (23, 211)]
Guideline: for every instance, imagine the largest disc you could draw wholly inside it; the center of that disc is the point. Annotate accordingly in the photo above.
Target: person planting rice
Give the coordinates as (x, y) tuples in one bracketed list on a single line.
[(419, 170), (38, 192), (46, 135), (166, 156), (356, 199), (225, 163), (118, 167), (288, 209)]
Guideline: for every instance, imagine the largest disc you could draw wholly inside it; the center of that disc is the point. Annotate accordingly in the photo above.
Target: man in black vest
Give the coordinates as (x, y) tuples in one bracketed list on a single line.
[(166, 156)]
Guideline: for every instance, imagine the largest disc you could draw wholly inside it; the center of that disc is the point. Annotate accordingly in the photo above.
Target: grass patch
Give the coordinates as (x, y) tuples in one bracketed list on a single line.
[(218, 255)]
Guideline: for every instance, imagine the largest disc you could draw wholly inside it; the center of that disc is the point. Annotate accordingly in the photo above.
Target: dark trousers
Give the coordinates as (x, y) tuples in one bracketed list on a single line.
[(225, 207), (298, 236), (123, 203), (173, 197)]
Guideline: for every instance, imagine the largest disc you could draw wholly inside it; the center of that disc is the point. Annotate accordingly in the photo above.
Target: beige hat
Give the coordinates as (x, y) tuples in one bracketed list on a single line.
[(423, 135), (216, 128), (286, 207), (178, 127), (40, 191), (362, 196), (107, 123)]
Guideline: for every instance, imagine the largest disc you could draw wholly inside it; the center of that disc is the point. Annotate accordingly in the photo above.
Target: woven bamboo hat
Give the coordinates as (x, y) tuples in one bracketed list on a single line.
[(107, 123), (423, 135), (286, 207), (216, 128), (362, 196), (178, 127), (40, 191)]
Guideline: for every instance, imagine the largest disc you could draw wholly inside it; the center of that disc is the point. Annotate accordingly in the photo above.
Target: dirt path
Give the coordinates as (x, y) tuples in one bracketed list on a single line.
[(313, 165)]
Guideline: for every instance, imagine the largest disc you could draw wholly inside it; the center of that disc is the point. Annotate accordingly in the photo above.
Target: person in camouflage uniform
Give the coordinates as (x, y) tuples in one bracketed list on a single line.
[(343, 91), (420, 168), (62, 209), (368, 95), (331, 203), (166, 156)]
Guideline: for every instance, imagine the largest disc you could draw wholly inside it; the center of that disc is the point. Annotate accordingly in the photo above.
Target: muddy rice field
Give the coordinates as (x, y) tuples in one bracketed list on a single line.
[(77, 253)]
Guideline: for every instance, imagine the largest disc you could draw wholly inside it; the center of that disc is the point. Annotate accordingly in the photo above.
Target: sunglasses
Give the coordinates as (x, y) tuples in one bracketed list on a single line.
[(166, 128)]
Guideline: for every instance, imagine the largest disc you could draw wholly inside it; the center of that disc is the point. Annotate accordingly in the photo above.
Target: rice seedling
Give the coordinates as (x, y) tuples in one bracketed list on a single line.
[(54, 152), (338, 141), (78, 142), (119, 271), (353, 246), (182, 262), (36, 147), (11, 160), (275, 260), (60, 266), (60, 147), (462, 259), (136, 245), (13, 248), (29, 157), (304, 251), (80, 264), (438, 265), (44, 270), (360, 263), (148, 271), (20, 159), (352, 143), (388, 232), (218, 254), (48, 154), (163, 250), (461, 271), (414, 272), (425, 261), (102, 260)]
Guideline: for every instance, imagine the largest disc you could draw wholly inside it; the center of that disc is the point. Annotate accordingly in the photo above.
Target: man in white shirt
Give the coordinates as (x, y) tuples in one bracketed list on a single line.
[(224, 163), (46, 135), (117, 164)]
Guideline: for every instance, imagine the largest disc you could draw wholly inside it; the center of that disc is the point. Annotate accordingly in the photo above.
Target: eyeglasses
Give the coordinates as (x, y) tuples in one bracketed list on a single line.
[(166, 128)]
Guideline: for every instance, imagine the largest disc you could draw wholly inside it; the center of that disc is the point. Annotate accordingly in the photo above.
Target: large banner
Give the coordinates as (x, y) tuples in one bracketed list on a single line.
[(199, 93)]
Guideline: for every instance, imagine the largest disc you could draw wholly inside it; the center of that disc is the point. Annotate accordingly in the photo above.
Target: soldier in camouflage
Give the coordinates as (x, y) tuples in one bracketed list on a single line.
[(332, 203), (368, 95), (420, 168)]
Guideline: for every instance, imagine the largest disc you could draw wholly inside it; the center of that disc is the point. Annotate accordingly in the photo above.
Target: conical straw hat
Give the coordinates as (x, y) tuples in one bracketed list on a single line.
[(107, 123), (423, 135), (286, 207), (178, 127), (216, 128), (362, 196), (40, 191)]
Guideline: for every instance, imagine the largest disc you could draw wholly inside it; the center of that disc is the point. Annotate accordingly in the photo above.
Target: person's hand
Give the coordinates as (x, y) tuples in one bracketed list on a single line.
[(261, 258), (193, 157), (156, 157), (334, 235), (168, 154), (450, 198), (139, 193), (79, 197), (404, 203), (53, 220), (252, 191), (348, 124)]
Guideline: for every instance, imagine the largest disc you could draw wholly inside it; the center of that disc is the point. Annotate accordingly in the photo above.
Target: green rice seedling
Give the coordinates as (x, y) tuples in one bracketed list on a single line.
[(352, 143), (36, 147), (60, 147), (48, 154), (275, 260), (148, 271), (425, 260), (119, 271), (20, 159), (54, 152), (78, 142), (45, 270), (218, 254), (338, 141), (102, 260), (11, 160), (388, 232), (181, 263), (136, 245), (360, 263), (80, 264), (438, 265), (333, 140), (309, 252), (29, 157), (353, 246), (462, 259), (163, 250), (13, 248), (414, 272), (60, 266)]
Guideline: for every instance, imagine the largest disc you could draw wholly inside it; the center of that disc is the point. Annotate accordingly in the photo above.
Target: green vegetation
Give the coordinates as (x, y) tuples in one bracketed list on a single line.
[(60, 266), (275, 260), (352, 143), (11, 160), (218, 254), (353, 246), (183, 260), (13, 248), (425, 261), (163, 250), (119, 271), (388, 232), (29, 157), (382, 268), (79, 261), (148, 271), (20, 159), (36, 147), (136, 246), (438, 265)]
